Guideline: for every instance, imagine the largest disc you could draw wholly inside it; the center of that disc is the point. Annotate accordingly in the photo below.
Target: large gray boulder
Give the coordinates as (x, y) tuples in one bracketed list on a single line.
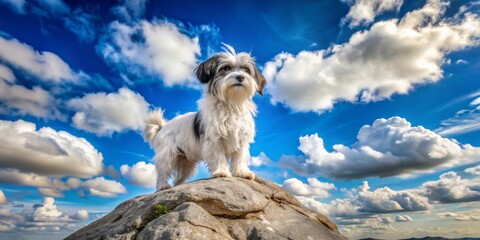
[(220, 208)]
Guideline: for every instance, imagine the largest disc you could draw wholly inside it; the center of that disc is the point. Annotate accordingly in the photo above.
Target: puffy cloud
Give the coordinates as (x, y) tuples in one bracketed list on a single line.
[(362, 200), (13, 176), (364, 11), (102, 187), (451, 188), (388, 147), (403, 218), (314, 188), (473, 170), (19, 100), (46, 151), (141, 173), (18, 6), (410, 52), (48, 212), (3, 199), (8, 219), (336, 208), (464, 121), (46, 66), (81, 215), (44, 217), (261, 159), (103, 114), (155, 50), (385, 200)]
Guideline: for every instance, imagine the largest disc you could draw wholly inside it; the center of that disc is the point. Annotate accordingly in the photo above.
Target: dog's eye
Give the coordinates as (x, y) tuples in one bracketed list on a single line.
[(247, 70), (227, 68)]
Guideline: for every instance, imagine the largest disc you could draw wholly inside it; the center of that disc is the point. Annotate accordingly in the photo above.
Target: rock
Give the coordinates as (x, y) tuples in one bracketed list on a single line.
[(220, 208)]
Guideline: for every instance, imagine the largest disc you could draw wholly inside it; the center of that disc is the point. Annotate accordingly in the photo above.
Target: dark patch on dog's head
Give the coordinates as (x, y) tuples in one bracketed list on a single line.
[(261, 82), (197, 126), (206, 70)]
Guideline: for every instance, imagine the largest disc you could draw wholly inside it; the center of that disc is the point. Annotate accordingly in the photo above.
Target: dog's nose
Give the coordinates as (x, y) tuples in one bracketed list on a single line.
[(240, 78)]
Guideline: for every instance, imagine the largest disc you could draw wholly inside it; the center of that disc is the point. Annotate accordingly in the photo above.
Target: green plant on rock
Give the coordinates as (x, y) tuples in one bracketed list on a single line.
[(158, 211)]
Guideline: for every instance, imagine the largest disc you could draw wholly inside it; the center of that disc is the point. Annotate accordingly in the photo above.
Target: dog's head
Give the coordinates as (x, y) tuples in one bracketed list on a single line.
[(231, 76)]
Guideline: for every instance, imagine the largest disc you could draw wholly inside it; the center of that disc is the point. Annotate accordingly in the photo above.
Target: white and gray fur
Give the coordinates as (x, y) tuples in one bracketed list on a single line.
[(222, 129)]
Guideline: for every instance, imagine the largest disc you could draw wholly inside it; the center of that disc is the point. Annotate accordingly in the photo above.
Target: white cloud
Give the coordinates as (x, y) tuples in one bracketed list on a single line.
[(3, 199), (363, 12), (472, 215), (362, 200), (314, 188), (336, 208), (51, 192), (52, 8), (385, 200), (9, 219), (13, 176), (6, 74), (104, 114), (102, 187), (410, 52), (46, 151), (451, 188), (81, 215), (46, 66), (141, 173), (81, 24), (461, 61), (388, 147), (18, 6), (473, 170), (155, 50), (44, 217), (130, 10), (261, 159), (464, 121), (403, 218), (19, 100)]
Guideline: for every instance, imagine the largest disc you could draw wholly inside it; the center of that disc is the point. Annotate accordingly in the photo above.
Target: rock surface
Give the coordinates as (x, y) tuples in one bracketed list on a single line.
[(220, 208)]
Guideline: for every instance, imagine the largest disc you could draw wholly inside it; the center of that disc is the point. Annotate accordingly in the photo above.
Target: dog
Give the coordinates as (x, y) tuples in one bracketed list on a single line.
[(221, 129)]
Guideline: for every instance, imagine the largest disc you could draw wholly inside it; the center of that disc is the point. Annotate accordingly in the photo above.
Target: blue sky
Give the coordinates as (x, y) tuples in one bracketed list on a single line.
[(371, 114)]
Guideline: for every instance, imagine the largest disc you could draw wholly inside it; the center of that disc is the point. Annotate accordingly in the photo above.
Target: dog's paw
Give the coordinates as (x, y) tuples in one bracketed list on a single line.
[(218, 174), (247, 174), (164, 187)]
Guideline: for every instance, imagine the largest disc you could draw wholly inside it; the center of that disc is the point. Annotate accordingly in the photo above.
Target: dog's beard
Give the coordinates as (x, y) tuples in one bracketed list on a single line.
[(232, 91)]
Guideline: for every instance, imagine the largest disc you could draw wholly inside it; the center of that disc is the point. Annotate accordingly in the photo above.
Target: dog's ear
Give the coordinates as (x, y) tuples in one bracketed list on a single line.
[(261, 82), (206, 70)]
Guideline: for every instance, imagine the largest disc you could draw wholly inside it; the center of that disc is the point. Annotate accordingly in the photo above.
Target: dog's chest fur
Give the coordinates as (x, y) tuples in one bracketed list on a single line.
[(232, 127)]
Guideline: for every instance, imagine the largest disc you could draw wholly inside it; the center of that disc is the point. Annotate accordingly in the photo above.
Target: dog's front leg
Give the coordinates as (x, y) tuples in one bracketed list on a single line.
[(239, 163), (214, 154)]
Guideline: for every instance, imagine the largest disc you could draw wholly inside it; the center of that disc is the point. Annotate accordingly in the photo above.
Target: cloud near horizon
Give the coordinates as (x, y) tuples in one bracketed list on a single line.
[(388, 147)]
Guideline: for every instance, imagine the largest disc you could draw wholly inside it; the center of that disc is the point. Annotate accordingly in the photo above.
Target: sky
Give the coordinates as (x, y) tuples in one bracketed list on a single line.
[(371, 113)]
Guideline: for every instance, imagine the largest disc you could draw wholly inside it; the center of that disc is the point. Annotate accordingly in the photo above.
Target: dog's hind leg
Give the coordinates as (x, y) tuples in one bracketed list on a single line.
[(185, 169), (164, 163)]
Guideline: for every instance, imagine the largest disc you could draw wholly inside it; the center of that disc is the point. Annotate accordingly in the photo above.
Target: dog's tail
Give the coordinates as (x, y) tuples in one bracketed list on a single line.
[(153, 124)]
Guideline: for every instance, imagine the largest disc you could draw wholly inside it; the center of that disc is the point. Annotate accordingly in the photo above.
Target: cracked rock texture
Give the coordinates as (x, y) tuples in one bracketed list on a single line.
[(220, 208)]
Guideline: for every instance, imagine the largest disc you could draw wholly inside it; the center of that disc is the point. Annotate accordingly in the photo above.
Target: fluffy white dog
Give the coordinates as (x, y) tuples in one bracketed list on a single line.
[(222, 129)]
